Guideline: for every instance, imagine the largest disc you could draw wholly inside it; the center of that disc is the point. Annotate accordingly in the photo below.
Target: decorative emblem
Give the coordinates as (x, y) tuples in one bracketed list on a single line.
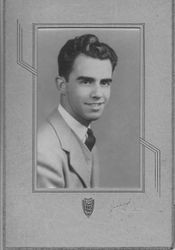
[(88, 206)]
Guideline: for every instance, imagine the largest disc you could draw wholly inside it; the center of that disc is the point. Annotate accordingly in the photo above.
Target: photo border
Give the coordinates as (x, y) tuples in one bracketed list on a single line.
[(142, 143)]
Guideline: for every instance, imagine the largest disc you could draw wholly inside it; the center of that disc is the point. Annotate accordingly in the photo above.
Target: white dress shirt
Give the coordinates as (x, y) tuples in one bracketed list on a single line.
[(79, 129)]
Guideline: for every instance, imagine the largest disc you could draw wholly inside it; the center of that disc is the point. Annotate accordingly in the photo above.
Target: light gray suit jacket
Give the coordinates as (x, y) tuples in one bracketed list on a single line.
[(63, 161)]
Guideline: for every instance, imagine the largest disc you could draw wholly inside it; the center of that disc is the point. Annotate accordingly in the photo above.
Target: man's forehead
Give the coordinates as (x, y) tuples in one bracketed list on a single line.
[(89, 66)]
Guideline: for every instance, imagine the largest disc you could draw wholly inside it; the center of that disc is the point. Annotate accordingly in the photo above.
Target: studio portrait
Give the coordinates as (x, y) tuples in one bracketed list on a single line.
[(88, 109), (87, 133)]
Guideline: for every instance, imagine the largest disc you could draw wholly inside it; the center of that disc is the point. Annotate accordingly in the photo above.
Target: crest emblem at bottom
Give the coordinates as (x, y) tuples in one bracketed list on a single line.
[(88, 206)]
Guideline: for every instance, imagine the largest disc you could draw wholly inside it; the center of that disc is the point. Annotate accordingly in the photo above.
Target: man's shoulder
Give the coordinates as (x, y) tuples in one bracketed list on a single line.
[(45, 130), (46, 133)]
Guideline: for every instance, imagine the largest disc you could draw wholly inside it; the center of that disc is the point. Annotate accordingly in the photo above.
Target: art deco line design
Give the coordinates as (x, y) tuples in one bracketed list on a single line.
[(157, 171), (20, 60)]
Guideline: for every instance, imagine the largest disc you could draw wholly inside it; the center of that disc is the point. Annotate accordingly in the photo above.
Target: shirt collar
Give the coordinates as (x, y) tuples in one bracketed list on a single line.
[(79, 129)]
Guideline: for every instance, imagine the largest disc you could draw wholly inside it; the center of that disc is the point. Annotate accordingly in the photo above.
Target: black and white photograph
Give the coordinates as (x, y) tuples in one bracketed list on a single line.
[(77, 145), (87, 124)]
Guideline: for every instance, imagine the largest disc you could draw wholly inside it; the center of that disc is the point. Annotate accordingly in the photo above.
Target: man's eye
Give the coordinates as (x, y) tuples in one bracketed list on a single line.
[(85, 82), (105, 83)]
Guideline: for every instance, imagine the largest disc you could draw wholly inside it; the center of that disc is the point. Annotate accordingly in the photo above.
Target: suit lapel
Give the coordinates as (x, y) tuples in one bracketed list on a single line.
[(71, 144)]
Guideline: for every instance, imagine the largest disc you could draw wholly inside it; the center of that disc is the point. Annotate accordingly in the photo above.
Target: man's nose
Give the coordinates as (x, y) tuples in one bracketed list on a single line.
[(96, 91)]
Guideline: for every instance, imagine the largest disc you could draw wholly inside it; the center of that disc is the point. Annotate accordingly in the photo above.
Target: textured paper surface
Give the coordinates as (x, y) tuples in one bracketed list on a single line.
[(53, 219)]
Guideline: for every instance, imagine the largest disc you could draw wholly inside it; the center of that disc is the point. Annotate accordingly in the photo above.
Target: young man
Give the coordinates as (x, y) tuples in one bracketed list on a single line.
[(66, 154)]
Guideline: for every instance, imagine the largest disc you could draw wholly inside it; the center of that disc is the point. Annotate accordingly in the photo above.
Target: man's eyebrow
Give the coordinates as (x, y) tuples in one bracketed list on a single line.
[(87, 78), (107, 79)]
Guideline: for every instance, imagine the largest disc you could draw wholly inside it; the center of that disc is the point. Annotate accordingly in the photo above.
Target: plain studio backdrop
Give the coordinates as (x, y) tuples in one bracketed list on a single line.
[(119, 128)]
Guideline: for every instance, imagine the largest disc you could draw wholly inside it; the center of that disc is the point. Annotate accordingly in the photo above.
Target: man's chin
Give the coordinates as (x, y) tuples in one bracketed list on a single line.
[(94, 117)]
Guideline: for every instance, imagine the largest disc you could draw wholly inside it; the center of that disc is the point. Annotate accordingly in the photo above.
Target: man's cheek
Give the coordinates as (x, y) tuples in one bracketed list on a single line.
[(108, 95)]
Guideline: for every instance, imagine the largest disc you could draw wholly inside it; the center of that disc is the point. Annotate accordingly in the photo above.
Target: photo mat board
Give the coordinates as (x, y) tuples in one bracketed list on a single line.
[(123, 217)]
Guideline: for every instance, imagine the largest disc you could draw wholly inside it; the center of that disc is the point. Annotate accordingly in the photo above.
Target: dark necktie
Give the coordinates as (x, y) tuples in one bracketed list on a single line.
[(90, 140)]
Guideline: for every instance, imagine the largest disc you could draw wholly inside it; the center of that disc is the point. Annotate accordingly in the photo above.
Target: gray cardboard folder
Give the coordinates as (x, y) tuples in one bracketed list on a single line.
[(132, 207)]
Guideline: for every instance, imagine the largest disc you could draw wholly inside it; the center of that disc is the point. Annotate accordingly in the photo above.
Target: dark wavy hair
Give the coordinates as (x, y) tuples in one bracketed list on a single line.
[(88, 45)]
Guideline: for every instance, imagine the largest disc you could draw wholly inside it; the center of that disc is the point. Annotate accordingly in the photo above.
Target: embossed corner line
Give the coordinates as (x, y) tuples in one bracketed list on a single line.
[(20, 60), (157, 154)]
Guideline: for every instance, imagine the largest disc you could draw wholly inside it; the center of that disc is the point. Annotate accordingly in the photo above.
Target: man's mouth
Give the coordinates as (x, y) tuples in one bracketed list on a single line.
[(95, 104)]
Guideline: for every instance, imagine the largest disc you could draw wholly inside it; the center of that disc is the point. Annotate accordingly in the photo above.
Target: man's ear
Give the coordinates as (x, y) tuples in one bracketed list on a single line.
[(61, 84)]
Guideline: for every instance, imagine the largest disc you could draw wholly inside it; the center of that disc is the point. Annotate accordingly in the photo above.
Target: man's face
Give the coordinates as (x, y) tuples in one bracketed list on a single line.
[(88, 88)]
